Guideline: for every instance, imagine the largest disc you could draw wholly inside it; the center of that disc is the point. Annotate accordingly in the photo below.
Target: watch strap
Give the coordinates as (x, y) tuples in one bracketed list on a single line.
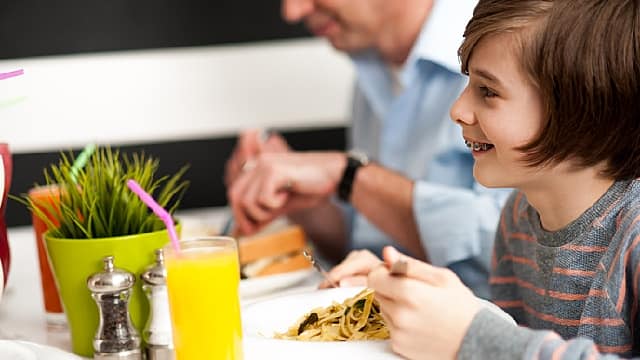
[(354, 162)]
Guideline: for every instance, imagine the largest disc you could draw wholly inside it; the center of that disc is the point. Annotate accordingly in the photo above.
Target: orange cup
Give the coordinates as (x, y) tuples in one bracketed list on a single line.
[(46, 198)]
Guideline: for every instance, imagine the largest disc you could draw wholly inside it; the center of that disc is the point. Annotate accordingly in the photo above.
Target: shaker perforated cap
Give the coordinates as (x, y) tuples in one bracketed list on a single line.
[(111, 279), (156, 274)]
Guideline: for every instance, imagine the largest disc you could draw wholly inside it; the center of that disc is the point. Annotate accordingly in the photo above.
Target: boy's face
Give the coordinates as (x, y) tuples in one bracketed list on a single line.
[(349, 25), (500, 110)]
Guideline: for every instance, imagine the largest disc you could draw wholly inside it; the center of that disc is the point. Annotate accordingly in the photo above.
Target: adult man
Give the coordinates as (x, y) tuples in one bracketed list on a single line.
[(420, 190)]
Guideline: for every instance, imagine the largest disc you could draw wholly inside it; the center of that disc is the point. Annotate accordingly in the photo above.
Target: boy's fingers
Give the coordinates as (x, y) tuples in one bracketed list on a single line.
[(357, 263), (360, 280), (390, 255), (417, 269)]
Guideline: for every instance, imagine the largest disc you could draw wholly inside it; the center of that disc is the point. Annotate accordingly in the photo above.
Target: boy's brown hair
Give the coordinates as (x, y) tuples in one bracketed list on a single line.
[(584, 58)]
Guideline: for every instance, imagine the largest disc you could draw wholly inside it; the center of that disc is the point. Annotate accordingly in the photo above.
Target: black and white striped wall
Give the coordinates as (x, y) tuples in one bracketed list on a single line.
[(177, 79)]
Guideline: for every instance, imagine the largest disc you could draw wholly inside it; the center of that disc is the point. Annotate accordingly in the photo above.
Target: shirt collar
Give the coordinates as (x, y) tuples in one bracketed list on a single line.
[(438, 42), (440, 37)]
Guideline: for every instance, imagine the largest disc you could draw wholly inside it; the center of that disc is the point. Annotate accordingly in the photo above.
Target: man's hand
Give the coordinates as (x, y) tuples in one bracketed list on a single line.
[(427, 303), (283, 182), (251, 143)]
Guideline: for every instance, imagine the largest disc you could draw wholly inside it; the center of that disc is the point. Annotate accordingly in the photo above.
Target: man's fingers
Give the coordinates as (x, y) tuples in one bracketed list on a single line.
[(274, 191), (249, 144), (275, 143), (251, 206)]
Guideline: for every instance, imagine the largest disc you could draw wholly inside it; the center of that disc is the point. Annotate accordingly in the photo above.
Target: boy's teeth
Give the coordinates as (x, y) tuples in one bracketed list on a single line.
[(476, 146)]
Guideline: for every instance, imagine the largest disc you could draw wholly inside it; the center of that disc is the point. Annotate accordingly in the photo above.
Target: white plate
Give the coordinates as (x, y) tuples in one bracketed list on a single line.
[(263, 285), (262, 318), (25, 350)]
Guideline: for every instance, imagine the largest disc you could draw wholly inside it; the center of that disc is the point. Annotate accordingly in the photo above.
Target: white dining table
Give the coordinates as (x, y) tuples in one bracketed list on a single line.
[(22, 315)]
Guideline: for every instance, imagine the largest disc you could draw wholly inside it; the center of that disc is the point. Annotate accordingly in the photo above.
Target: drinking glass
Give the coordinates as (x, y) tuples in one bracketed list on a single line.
[(202, 281), (46, 199)]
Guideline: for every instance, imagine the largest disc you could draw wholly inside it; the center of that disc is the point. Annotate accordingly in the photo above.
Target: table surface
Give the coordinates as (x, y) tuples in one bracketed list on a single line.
[(22, 315)]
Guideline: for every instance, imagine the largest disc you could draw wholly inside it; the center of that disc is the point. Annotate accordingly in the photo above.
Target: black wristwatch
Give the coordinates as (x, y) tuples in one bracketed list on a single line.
[(355, 160)]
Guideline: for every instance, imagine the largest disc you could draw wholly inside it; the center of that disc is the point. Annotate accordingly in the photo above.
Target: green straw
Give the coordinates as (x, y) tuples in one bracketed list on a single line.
[(81, 160)]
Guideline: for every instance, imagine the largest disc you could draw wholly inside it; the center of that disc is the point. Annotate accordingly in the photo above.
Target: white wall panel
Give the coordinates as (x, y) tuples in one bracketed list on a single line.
[(172, 94)]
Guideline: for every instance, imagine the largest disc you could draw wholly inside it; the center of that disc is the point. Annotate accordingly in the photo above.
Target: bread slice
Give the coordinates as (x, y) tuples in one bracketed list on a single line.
[(273, 252)]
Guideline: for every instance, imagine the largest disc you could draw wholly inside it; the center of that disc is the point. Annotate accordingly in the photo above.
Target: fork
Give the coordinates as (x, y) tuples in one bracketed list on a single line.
[(317, 266)]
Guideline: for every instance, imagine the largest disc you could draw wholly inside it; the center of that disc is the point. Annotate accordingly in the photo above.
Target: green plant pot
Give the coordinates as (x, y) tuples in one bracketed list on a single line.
[(74, 260)]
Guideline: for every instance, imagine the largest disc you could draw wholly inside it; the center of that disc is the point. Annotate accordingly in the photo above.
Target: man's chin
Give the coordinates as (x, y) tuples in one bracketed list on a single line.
[(348, 47)]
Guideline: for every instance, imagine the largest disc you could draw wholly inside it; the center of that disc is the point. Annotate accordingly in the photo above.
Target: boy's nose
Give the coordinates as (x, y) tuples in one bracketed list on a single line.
[(460, 111), (296, 10)]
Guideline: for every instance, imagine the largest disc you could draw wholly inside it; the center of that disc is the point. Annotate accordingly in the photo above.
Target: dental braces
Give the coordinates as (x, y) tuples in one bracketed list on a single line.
[(476, 146)]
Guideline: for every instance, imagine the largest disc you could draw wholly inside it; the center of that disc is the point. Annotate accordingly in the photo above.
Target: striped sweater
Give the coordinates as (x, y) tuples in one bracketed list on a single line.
[(580, 282)]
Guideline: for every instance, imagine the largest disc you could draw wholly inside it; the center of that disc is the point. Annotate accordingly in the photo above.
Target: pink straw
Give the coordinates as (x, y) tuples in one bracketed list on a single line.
[(158, 210), (11, 74)]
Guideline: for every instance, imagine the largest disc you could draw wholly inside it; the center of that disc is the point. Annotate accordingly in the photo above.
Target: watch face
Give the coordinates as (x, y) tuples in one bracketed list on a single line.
[(359, 156)]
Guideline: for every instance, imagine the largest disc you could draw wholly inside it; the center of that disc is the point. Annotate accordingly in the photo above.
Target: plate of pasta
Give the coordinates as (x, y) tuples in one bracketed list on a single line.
[(316, 324)]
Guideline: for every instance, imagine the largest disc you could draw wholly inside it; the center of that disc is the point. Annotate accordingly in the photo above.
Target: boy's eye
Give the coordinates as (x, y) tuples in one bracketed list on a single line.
[(486, 92)]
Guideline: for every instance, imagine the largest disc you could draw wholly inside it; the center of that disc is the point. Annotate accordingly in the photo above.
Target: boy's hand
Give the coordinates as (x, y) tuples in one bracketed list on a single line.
[(353, 270), (428, 311)]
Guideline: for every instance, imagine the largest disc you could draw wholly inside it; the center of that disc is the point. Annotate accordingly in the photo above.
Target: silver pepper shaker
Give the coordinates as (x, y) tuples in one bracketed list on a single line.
[(157, 332), (116, 338)]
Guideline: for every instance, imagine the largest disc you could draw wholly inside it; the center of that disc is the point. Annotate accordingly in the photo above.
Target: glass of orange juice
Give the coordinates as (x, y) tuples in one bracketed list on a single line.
[(202, 282)]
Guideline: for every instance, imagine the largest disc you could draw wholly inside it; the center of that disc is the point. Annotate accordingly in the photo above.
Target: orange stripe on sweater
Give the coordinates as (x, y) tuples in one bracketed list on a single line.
[(574, 272), (495, 280), (507, 304), (585, 248), (502, 280), (522, 236), (574, 322), (598, 293), (615, 349), (521, 260), (567, 296)]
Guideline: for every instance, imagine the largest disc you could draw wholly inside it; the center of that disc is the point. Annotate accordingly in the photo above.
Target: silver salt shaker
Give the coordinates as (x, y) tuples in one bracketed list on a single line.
[(157, 332), (116, 338)]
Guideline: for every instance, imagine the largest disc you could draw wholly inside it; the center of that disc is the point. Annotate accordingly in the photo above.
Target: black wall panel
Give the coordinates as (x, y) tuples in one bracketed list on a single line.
[(54, 27)]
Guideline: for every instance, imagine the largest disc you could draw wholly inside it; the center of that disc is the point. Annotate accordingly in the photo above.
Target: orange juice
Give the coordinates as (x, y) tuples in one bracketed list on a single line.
[(46, 199), (202, 281)]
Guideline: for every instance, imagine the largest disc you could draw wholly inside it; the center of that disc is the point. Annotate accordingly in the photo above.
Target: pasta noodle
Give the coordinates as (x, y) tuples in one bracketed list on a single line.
[(357, 318)]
